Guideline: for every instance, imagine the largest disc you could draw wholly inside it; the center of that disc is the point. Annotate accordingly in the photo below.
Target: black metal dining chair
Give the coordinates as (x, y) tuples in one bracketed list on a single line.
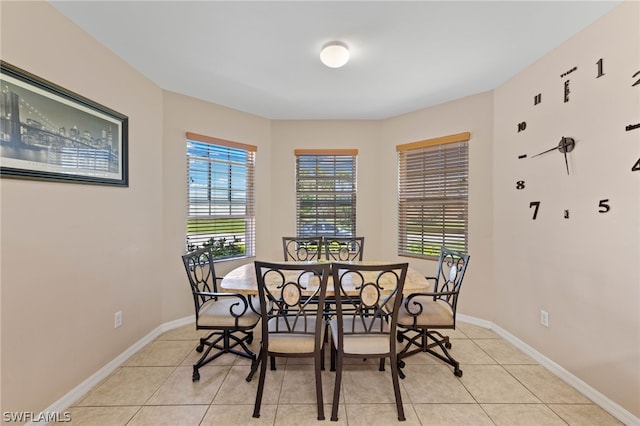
[(292, 326), (228, 316), (423, 314), (364, 325)]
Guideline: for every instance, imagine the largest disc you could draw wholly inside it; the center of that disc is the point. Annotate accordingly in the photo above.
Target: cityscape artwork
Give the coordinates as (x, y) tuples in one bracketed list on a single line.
[(50, 133)]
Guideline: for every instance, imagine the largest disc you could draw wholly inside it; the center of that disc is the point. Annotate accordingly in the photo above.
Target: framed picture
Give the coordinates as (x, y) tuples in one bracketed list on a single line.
[(50, 133)]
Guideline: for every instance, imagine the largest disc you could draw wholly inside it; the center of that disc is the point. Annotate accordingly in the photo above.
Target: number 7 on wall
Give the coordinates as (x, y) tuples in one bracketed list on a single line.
[(535, 204)]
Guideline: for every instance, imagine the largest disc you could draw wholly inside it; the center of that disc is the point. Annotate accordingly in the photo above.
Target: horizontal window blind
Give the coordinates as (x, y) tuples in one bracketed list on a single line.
[(433, 196), (221, 204), (326, 192)]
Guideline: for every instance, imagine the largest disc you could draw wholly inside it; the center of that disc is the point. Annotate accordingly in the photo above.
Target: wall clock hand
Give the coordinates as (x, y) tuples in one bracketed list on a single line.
[(544, 152), (565, 145)]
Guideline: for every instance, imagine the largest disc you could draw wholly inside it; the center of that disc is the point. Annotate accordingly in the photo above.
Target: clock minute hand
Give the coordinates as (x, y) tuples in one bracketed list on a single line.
[(544, 152), (565, 144)]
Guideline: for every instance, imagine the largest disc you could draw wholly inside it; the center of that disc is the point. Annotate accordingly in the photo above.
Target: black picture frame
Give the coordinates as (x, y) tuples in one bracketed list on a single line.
[(50, 133)]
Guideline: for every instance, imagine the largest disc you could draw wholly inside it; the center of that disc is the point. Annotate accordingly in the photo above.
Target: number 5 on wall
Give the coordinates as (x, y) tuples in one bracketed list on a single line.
[(604, 206)]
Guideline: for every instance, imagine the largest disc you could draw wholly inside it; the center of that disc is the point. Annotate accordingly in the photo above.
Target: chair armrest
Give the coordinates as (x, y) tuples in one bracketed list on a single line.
[(218, 281), (409, 300), (241, 301), (435, 282), (432, 293)]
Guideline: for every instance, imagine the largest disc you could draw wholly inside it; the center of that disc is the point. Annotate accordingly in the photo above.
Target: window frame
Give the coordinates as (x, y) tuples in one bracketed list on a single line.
[(438, 193), (343, 189), (236, 215)]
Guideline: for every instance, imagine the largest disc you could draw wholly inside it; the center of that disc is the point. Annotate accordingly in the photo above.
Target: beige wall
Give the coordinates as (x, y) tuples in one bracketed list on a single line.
[(65, 333), (72, 255), (472, 114), (185, 114), (291, 135), (584, 271)]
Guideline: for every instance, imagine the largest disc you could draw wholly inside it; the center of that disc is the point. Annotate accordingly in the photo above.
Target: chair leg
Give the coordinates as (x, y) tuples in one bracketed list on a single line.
[(333, 357), (203, 359), (336, 389), (326, 340), (224, 341), (443, 342), (420, 342), (239, 341), (396, 386), (263, 373), (196, 374), (318, 364), (254, 366), (400, 372)]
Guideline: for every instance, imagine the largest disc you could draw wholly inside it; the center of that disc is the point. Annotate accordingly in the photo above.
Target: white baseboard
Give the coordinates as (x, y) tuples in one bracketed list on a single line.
[(611, 407), (83, 388)]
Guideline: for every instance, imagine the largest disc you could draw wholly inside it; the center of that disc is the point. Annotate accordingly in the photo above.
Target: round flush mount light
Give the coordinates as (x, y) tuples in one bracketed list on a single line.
[(334, 54)]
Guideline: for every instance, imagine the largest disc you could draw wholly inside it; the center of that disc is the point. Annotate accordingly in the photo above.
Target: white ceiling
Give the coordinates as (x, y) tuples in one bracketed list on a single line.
[(262, 57)]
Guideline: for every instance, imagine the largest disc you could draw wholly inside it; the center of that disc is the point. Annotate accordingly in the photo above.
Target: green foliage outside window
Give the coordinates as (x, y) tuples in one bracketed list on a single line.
[(222, 248)]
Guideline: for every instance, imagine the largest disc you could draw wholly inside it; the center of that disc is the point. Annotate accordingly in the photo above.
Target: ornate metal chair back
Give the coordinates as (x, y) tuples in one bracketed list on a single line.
[(290, 295), (301, 249), (343, 249), (452, 266), (201, 272), (366, 296)]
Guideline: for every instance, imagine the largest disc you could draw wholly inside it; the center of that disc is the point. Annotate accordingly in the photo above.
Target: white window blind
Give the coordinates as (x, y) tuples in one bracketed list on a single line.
[(326, 192), (433, 196), (221, 205)]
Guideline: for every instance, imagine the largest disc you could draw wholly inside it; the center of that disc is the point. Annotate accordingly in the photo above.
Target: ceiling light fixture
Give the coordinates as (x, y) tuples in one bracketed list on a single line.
[(334, 54)]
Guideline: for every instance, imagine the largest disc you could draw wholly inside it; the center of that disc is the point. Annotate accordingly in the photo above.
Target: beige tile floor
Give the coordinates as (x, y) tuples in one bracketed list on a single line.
[(500, 386)]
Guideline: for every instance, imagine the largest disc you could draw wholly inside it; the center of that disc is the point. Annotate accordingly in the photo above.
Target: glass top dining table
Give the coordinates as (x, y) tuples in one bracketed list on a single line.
[(243, 279)]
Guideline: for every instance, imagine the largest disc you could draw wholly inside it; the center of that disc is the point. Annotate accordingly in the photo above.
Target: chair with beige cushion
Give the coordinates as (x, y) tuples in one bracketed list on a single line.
[(301, 249), (423, 314), (343, 249), (364, 325), (292, 324), (228, 316)]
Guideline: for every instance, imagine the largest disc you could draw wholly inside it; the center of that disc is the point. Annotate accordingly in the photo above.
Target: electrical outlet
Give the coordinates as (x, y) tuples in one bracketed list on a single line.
[(117, 319), (544, 318)]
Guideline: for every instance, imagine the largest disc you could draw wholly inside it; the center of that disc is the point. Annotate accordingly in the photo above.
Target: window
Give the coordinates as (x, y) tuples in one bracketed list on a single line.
[(326, 192), (433, 196), (221, 207)]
